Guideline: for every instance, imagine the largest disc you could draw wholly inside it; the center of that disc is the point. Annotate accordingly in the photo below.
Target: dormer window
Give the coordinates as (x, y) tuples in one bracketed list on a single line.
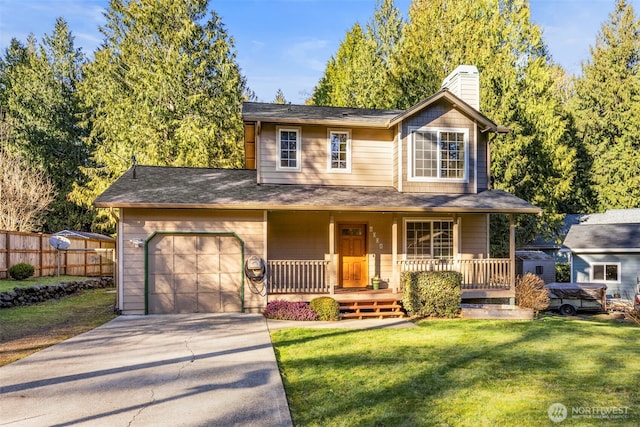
[(437, 154), (289, 150), (339, 151)]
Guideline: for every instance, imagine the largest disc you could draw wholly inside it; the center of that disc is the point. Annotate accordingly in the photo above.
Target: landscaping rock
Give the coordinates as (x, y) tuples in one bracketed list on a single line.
[(36, 294)]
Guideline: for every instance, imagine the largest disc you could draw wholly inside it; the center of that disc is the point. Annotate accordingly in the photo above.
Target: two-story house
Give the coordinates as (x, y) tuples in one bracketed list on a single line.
[(330, 198)]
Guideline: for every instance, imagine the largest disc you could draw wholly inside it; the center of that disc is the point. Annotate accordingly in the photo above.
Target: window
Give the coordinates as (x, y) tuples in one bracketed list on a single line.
[(288, 154), (605, 272), (339, 151), (428, 238), (438, 154)]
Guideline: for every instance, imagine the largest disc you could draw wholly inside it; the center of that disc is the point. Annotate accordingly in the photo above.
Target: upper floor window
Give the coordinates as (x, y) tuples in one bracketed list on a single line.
[(428, 238), (605, 272), (289, 149), (438, 154), (339, 150)]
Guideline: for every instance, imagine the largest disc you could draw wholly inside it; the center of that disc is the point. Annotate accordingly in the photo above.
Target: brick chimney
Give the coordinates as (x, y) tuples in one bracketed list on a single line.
[(464, 82)]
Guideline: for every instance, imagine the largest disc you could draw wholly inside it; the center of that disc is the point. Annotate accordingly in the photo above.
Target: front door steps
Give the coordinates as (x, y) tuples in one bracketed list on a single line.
[(371, 309)]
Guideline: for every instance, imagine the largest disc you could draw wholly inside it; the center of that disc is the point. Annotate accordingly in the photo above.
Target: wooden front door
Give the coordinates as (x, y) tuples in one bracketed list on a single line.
[(353, 255)]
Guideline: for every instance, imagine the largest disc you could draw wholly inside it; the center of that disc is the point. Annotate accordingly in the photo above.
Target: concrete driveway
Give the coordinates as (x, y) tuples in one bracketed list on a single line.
[(179, 370)]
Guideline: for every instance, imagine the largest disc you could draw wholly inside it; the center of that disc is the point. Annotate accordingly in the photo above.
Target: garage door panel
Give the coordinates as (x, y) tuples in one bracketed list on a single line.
[(230, 245), (208, 263), (185, 283), (209, 282), (161, 263), (161, 244), (161, 303), (231, 301), (184, 263), (184, 244), (186, 303), (161, 284), (209, 302), (208, 245), (229, 263)]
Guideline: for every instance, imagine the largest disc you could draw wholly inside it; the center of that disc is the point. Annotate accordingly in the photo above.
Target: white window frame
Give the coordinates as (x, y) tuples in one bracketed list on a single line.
[(330, 168), (298, 132), (438, 130), (605, 264), (431, 221)]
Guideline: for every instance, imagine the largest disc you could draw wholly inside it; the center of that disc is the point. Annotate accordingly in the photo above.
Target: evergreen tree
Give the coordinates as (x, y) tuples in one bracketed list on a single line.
[(42, 113), (607, 110), (357, 75), (537, 159), (279, 99), (165, 87)]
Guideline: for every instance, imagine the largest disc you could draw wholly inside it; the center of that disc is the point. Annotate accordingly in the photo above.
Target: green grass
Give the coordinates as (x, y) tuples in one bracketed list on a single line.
[(460, 372), (25, 330), (9, 284)]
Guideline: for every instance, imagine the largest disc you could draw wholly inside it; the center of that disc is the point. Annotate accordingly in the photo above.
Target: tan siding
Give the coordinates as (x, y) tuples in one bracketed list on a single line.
[(483, 172), (371, 161), (440, 115), (142, 223), (474, 236), (298, 235)]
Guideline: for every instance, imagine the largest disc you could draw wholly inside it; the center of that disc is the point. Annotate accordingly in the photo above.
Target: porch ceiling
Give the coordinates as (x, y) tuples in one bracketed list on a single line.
[(201, 188)]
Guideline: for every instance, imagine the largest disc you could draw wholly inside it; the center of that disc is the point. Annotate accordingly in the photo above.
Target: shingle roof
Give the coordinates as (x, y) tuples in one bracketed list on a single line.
[(612, 237), (614, 216), (178, 187), (344, 116), (290, 113)]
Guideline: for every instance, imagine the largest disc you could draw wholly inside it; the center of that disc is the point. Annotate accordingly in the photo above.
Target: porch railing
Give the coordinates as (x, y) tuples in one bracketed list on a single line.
[(298, 276), (489, 273)]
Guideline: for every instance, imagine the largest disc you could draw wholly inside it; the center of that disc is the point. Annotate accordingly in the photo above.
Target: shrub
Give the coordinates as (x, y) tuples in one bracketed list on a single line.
[(531, 293), (326, 307), (21, 271), (432, 293), (288, 310), (563, 272)]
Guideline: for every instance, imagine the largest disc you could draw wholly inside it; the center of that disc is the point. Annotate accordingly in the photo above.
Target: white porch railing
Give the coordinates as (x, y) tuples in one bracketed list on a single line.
[(312, 276), (489, 273), (298, 276)]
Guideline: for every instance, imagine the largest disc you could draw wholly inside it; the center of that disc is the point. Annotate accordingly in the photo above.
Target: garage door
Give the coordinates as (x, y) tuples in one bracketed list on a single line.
[(194, 273)]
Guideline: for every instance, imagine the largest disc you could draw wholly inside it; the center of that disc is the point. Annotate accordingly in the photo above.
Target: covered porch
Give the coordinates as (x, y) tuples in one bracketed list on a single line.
[(384, 255)]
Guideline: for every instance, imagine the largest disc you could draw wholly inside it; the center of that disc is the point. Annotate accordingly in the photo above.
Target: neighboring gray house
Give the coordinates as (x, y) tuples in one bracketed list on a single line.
[(606, 249)]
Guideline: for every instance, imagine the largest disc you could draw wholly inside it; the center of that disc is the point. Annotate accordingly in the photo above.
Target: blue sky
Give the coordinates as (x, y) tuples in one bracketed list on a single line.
[(286, 43)]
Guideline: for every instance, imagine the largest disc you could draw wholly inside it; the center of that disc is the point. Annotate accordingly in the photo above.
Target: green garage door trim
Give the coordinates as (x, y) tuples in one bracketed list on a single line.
[(183, 233)]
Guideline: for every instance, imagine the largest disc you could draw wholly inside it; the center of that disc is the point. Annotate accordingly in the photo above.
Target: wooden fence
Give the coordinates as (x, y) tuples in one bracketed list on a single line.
[(85, 257)]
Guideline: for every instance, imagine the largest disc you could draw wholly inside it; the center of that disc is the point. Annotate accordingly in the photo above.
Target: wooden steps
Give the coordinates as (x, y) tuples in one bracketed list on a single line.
[(369, 309)]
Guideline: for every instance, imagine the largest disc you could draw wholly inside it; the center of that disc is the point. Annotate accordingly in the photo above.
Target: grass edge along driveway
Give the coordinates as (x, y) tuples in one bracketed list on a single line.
[(463, 372)]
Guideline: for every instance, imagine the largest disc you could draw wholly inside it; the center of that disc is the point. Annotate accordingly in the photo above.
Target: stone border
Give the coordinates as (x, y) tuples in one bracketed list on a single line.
[(35, 294)]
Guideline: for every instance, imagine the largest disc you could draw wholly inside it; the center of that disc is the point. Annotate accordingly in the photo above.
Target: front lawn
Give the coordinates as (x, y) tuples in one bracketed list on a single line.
[(463, 372)]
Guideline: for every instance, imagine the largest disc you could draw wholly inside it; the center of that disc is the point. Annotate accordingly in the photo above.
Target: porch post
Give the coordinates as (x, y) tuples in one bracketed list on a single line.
[(395, 282), (332, 251), (512, 255)]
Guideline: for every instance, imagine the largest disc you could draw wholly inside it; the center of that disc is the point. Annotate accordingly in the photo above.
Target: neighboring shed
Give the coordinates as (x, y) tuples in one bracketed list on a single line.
[(536, 262)]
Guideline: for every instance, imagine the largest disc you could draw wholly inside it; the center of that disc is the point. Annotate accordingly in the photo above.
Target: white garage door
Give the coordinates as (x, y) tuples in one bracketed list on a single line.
[(194, 273)]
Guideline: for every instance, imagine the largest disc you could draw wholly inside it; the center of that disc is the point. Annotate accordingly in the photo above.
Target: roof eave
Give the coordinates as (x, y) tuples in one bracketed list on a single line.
[(262, 207), (299, 121)]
